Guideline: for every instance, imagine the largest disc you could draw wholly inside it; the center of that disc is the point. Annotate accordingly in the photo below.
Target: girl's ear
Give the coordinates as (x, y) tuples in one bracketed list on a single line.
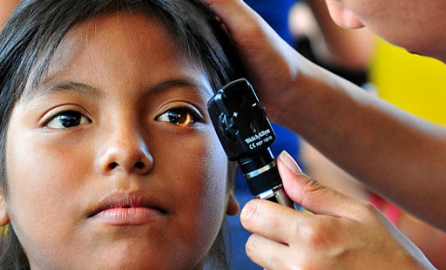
[(232, 207), (4, 217)]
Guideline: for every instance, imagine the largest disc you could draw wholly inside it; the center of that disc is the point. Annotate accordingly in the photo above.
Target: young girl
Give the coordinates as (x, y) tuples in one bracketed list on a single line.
[(109, 158)]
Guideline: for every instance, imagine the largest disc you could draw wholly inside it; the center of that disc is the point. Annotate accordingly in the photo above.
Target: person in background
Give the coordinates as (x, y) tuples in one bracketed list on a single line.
[(342, 51)]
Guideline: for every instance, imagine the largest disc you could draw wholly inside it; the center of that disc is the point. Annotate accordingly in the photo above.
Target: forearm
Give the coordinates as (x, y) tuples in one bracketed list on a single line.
[(394, 153)]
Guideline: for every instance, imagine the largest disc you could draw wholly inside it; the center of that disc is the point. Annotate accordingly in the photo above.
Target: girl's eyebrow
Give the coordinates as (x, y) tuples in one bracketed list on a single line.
[(181, 82), (87, 90), (64, 86)]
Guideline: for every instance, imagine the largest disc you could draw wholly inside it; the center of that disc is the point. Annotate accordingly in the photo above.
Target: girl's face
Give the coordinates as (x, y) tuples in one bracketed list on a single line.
[(415, 25), (112, 161)]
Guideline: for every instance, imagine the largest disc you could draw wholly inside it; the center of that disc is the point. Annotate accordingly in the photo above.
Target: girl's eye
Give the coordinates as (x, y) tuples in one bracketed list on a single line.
[(66, 119), (179, 116)]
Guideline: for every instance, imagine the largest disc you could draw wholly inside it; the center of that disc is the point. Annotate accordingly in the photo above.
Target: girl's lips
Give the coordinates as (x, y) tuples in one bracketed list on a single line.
[(127, 208), (128, 216)]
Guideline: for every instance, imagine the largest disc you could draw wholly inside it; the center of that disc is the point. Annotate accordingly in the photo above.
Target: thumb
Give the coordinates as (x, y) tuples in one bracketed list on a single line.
[(310, 194)]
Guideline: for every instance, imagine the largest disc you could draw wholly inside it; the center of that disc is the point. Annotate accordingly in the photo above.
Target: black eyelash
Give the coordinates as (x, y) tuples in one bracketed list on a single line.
[(62, 113)]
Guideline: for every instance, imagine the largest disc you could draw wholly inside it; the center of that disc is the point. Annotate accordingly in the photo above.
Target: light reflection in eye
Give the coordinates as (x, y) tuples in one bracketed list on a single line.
[(179, 116)]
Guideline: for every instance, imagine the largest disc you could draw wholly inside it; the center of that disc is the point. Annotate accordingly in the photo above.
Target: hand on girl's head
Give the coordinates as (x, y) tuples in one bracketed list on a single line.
[(112, 157)]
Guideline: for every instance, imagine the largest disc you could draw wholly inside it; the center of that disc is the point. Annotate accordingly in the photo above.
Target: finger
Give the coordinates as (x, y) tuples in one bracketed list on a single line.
[(311, 195), (272, 220), (247, 28), (233, 13), (266, 253)]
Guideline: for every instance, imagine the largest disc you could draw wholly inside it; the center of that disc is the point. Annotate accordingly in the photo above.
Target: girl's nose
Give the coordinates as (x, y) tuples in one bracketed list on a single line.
[(124, 150)]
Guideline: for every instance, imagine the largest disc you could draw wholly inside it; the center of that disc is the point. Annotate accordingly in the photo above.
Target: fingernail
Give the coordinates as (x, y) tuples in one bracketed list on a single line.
[(248, 211), (290, 163)]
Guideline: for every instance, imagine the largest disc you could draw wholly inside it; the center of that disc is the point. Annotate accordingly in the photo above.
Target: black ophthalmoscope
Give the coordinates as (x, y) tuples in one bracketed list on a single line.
[(246, 135)]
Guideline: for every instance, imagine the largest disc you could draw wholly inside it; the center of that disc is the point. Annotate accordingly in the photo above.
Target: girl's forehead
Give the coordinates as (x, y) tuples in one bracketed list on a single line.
[(126, 45)]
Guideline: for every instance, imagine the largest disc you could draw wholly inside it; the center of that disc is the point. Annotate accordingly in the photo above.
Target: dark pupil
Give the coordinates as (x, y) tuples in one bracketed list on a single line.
[(70, 119), (178, 116)]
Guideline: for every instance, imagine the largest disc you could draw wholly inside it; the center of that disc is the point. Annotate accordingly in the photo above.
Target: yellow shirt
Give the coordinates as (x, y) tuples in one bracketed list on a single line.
[(413, 83)]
